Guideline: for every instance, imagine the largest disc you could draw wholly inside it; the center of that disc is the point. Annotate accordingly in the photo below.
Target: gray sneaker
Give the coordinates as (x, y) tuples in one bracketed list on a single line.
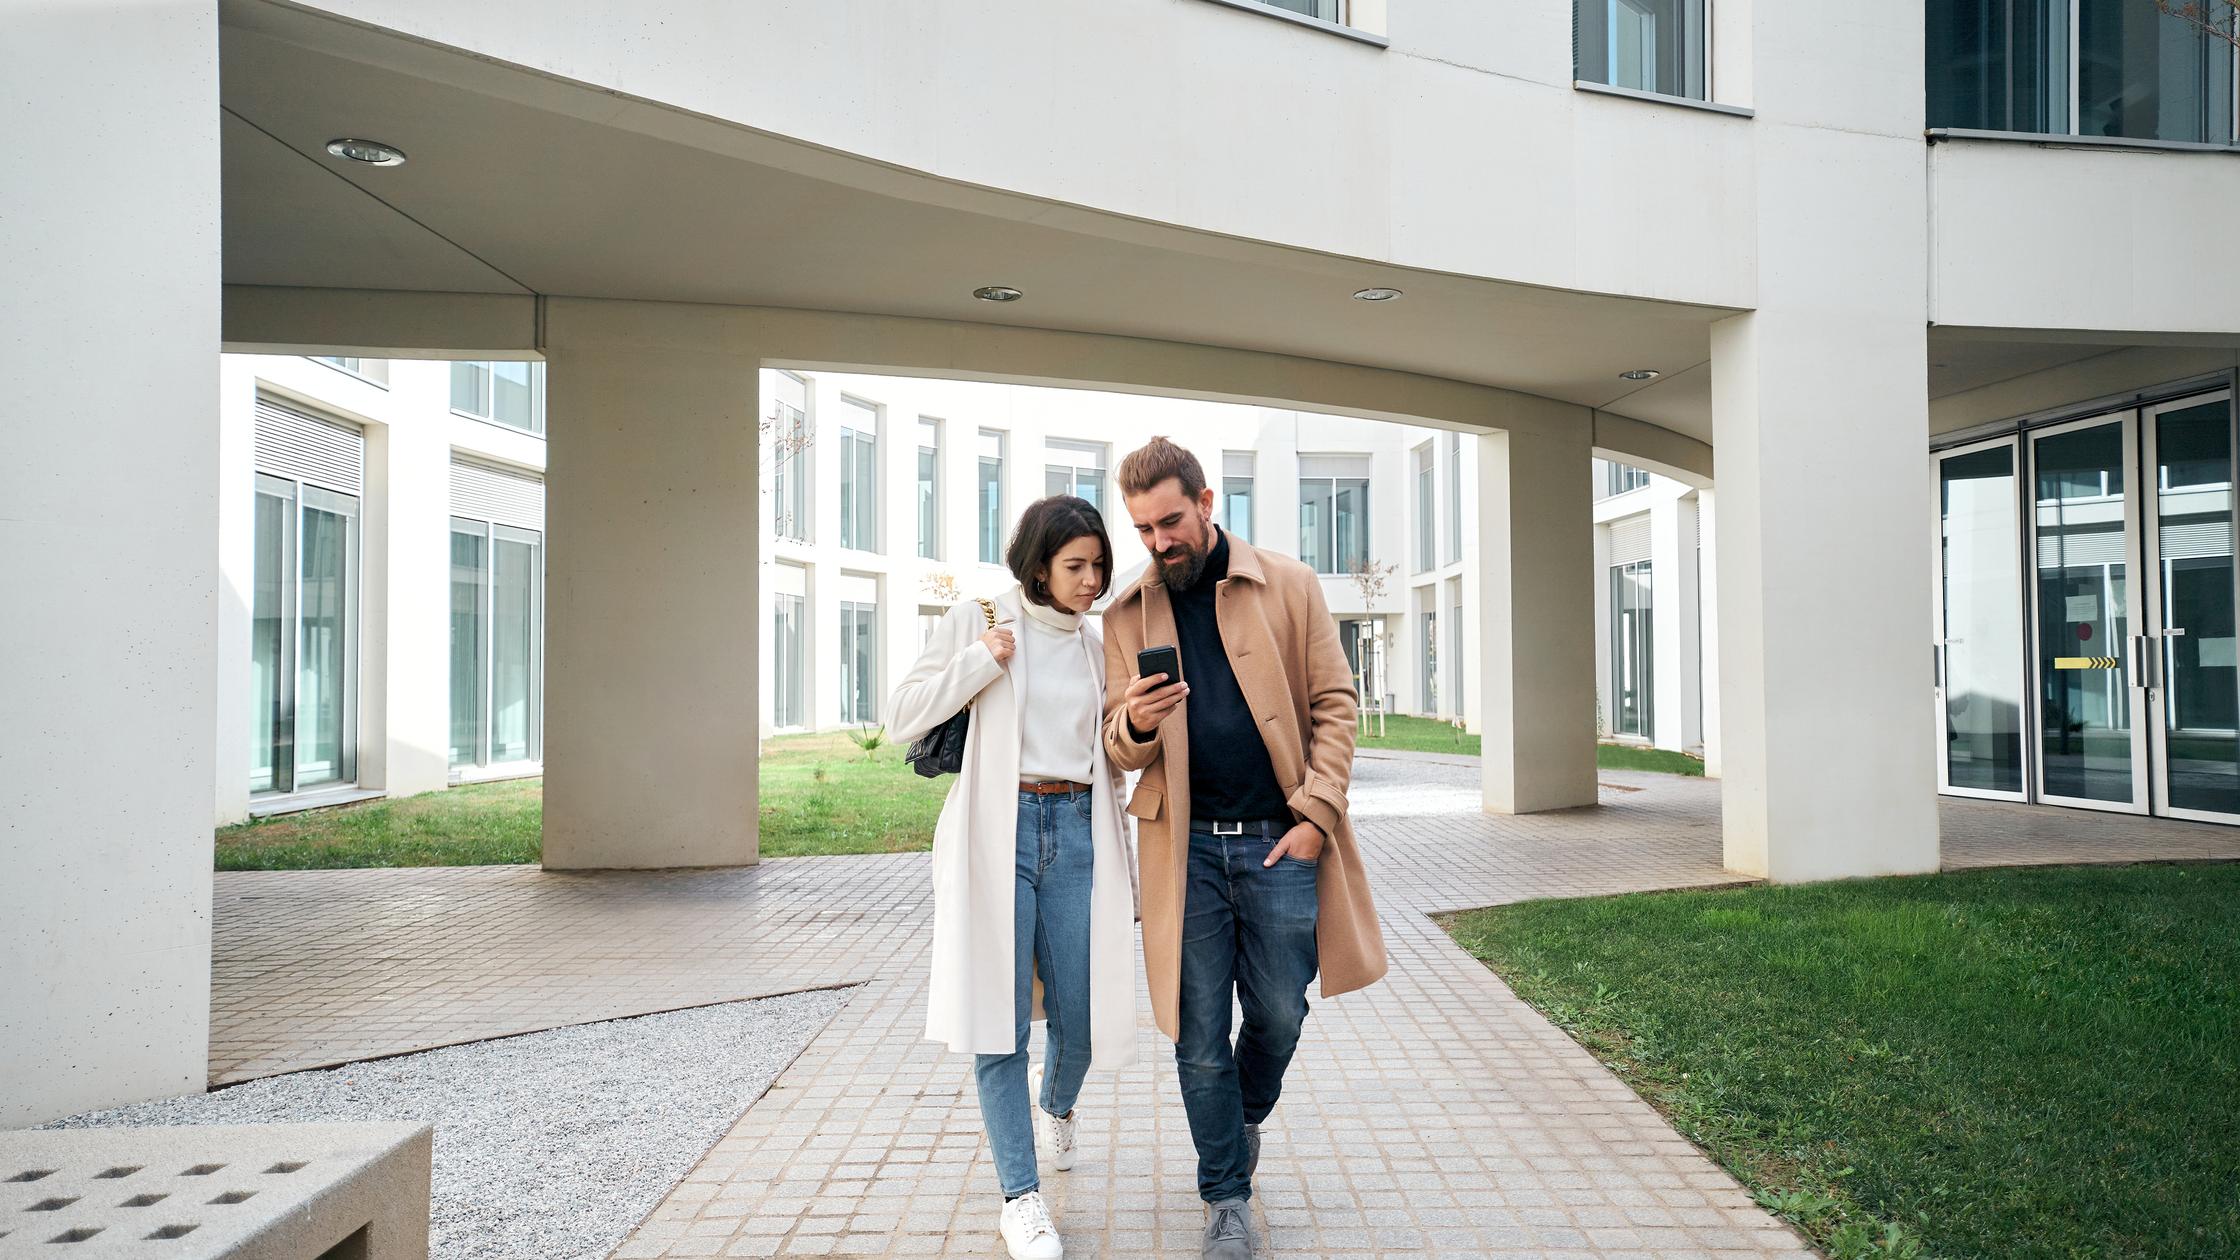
[(1228, 1231), (1251, 1151)]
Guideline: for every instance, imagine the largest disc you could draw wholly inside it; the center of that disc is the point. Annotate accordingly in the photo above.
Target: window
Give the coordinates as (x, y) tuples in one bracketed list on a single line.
[(1425, 557), (1327, 10), (790, 665), (304, 629), (497, 643), (1631, 629), (929, 488), (2147, 76), (991, 497), (791, 470), (373, 370), (1999, 65), (929, 620), (859, 476), (1075, 468), (1454, 496), (1646, 45), (2115, 68), (1334, 512), (303, 601), (1430, 648), (507, 393), (1236, 493), (859, 637), (1618, 478)]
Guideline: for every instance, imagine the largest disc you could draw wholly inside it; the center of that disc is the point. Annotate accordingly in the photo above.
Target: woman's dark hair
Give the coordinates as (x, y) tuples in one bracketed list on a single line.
[(1044, 530)]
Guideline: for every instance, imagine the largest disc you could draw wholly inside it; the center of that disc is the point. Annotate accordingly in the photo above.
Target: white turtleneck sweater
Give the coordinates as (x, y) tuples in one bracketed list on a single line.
[(1059, 709)]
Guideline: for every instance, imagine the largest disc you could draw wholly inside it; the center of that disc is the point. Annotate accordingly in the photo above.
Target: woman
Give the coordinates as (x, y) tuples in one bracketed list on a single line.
[(1034, 899)]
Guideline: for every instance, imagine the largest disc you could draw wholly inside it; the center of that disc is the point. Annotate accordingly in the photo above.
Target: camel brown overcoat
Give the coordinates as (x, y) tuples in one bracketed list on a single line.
[(1277, 632)]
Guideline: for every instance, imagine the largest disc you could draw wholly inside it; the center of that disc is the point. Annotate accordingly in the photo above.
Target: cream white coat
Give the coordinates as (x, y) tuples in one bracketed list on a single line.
[(975, 847)]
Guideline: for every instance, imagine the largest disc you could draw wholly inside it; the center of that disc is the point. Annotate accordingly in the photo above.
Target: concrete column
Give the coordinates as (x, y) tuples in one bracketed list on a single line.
[(1672, 567), (1820, 422), (237, 563), (1473, 588), (108, 552), (652, 625), (1536, 640), (1707, 596), (1605, 717), (405, 660)]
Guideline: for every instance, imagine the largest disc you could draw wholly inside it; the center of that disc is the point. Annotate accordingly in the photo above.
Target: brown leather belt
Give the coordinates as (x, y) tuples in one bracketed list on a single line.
[(1052, 787)]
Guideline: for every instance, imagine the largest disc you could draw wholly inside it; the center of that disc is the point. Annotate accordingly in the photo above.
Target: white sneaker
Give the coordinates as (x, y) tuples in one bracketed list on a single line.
[(1062, 1128), (1061, 1139), (1027, 1231)]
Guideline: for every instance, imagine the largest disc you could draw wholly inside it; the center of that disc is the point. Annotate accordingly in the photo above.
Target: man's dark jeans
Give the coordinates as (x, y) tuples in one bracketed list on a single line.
[(1247, 929)]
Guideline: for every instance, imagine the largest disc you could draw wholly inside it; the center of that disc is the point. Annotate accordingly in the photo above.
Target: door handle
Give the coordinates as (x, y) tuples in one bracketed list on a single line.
[(2141, 661)]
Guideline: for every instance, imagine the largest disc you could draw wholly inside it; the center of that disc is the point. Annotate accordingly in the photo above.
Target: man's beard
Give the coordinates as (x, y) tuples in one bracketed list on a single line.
[(1179, 567)]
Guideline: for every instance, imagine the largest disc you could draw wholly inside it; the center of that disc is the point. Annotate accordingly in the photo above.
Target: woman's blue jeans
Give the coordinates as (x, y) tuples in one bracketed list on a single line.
[(1050, 926)]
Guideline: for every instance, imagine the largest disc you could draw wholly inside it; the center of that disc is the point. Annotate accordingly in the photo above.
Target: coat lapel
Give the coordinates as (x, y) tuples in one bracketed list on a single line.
[(1255, 658)]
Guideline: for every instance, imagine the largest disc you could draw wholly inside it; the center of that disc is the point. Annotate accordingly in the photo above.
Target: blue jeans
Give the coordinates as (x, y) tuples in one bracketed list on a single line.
[(1247, 929), (1050, 925)]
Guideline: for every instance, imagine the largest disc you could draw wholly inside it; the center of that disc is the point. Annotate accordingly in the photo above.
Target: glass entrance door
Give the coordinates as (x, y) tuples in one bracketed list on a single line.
[(1980, 675), (2194, 692), (2098, 663), (2084, 552)]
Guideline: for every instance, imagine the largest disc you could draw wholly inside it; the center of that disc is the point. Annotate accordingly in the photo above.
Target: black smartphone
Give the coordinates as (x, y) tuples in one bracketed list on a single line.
[(1159, 660)]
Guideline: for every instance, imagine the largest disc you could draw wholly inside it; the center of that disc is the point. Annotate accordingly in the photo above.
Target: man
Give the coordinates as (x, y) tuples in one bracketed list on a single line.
[(1250, 877)]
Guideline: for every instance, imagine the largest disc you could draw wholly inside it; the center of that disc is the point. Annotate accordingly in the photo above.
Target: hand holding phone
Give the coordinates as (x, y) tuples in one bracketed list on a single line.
[(1156, 688)]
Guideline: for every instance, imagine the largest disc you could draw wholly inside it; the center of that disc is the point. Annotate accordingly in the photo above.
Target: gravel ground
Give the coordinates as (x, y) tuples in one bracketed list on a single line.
[(550, 1145)]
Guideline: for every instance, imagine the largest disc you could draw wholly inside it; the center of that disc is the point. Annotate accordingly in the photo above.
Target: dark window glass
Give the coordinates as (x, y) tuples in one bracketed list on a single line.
[(1646, 45)]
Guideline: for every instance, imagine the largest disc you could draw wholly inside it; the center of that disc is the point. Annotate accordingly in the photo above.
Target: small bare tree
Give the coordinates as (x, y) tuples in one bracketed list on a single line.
[(1369, 578), (787, 430), (2217, 19), (940, 586)]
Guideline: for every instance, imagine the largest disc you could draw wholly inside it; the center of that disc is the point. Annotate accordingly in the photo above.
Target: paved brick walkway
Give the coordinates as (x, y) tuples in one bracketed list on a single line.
[(1432, 1114)]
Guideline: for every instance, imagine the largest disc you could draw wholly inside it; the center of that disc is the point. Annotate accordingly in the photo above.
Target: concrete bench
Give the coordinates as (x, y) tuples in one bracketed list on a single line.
[(245, 1192)]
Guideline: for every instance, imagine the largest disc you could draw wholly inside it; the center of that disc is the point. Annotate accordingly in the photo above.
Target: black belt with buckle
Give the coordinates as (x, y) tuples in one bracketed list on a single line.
[(1266, 828)]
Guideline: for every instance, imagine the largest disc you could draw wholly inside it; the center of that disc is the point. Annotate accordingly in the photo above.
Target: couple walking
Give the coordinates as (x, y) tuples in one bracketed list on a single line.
[(1249, 879)]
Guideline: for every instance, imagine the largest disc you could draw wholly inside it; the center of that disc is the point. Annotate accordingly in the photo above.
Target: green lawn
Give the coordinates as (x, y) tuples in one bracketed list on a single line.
[(482, 824), (1421, 734), (820, 795), (1416, 734), (1632, 757), (2020, 1063)]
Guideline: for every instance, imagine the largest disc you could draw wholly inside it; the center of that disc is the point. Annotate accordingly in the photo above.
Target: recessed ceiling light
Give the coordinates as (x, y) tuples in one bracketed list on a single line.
[(1640, 374), (1376, 295), (370, 152), (997, 293)]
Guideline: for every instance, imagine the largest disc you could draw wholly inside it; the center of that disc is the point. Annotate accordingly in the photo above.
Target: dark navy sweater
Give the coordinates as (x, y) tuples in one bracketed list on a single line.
[(1230, 774)]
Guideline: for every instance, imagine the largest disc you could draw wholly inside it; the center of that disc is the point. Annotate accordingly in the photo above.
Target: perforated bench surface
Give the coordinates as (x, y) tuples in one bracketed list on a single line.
[(252, 1192)]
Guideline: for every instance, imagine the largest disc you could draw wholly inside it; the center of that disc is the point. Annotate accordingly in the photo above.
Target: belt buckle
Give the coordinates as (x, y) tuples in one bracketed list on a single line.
[(1233, 828)]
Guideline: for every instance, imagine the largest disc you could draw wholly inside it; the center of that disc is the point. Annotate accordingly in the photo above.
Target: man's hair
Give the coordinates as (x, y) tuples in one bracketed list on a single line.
[(1044, 530), (1154, 462)]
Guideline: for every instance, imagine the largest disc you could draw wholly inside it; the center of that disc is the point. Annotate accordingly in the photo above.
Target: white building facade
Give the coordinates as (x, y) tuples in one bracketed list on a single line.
[(382, 550), (1923, 291), (891, 497)]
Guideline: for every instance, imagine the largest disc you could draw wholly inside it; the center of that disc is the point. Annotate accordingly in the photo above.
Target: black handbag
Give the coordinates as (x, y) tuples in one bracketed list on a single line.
[(940, 751)]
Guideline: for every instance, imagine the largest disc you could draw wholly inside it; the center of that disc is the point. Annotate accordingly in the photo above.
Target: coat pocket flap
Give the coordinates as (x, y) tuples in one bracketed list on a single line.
[(1145, 803)]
